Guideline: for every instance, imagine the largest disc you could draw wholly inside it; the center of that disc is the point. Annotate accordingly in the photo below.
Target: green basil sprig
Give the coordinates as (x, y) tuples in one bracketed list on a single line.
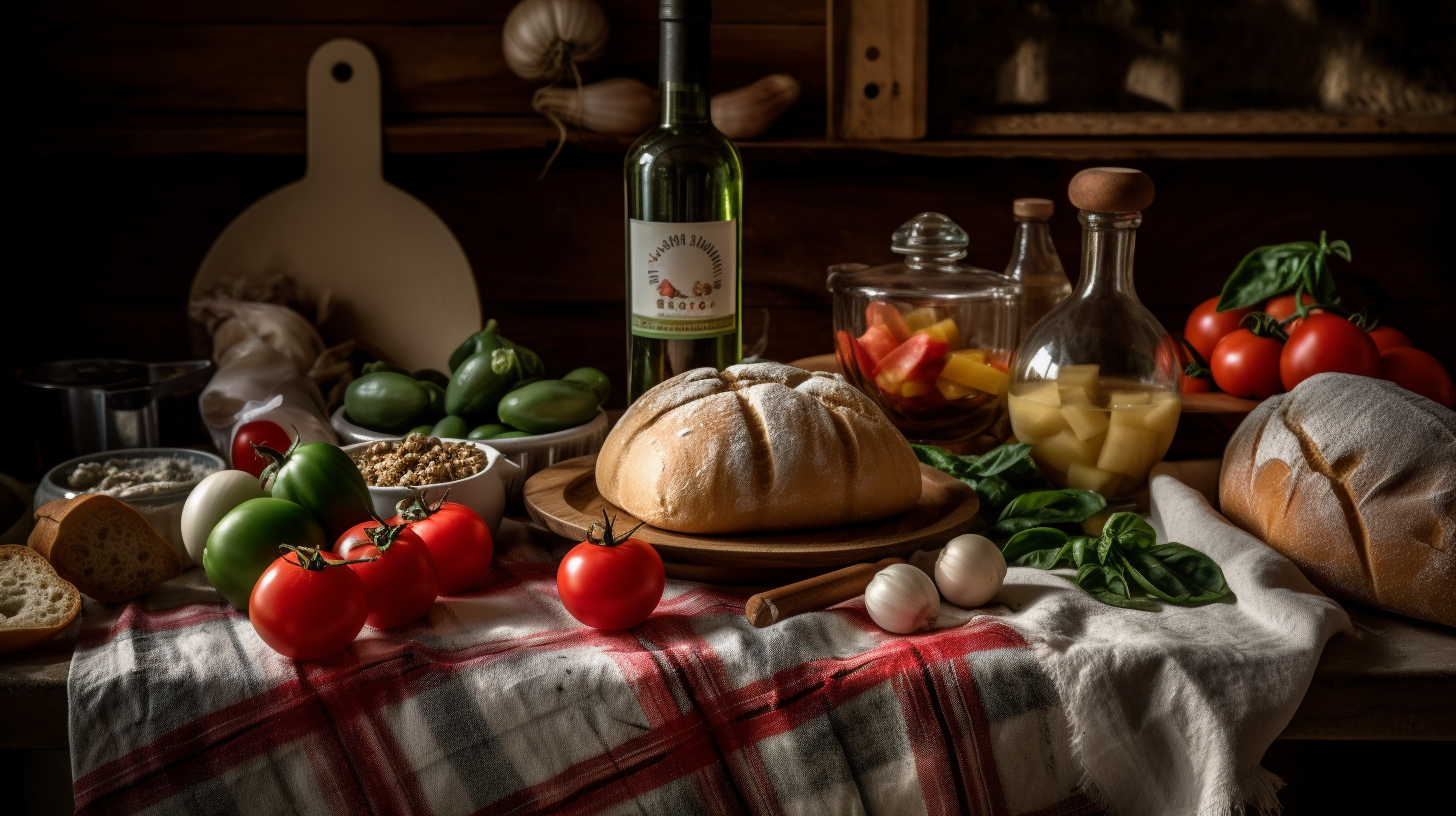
[(1302, 266), (1125, 566), (1001, 476)]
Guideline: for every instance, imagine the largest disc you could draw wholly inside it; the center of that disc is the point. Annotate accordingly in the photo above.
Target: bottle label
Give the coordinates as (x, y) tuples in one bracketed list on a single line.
[(682, 279)]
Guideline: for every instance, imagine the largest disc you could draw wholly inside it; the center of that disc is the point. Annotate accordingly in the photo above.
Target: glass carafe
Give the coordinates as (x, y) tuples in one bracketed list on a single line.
[(1034, 263), (1095, 384)]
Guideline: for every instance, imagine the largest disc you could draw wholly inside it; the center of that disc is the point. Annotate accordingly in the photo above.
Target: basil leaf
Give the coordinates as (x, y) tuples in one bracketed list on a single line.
[(1129, 531), (1033, 540), (1107, 585), (938, 458), (994, 493), (1040, 559), (1151, 575), (1083, 553), (1194, 569), (1044, 507), (1341, 249), (1320, 283), (1001, 459), (1265, 272)]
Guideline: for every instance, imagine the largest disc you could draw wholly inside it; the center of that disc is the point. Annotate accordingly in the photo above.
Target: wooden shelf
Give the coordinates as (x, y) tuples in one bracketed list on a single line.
[(284, 135)]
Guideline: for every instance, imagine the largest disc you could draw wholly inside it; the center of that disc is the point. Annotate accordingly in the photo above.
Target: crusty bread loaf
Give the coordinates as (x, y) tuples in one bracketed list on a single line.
[(756, 447), (35, 602), (107, 549), (1353, 479)]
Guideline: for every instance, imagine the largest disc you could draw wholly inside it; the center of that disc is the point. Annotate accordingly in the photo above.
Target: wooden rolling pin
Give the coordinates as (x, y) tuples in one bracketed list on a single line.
[(812, 594)]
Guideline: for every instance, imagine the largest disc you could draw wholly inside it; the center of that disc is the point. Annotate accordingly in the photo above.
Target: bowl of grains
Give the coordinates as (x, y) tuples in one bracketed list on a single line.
[(154, 481), (399, 469)]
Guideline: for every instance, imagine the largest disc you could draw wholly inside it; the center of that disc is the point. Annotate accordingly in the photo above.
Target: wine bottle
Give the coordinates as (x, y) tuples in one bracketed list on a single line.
[(684, 233)]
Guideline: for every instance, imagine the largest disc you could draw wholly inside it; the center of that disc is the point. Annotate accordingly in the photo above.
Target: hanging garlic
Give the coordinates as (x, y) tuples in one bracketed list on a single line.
[(542, 40), (902, 599), (616, 107), (970, 570), (748, 111)]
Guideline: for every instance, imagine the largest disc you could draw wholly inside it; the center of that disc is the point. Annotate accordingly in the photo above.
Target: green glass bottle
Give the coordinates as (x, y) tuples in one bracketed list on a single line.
[(684, 233)]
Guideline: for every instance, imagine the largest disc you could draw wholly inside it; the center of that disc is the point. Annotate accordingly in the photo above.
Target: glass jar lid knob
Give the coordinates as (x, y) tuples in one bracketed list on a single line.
[(931, 241)]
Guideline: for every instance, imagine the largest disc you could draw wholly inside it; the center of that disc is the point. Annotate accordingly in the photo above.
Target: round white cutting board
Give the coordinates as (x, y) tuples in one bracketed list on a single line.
[(399, 280)]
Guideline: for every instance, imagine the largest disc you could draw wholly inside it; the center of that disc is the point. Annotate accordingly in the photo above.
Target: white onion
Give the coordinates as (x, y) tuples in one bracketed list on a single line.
[(970, 570), (902, 599)]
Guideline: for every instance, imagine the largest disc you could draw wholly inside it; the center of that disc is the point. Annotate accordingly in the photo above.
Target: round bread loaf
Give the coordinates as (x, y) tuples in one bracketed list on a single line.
[(1354, 480), (756, 447)]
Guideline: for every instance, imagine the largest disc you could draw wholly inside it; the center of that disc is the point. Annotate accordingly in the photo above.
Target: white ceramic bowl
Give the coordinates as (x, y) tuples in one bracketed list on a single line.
[(530, 453), (163, 510), (485, 492)]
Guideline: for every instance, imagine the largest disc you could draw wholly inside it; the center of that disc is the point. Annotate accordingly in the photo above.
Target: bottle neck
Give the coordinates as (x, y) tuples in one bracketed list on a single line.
[(683, 72), (1108, 240), (1033, 253)]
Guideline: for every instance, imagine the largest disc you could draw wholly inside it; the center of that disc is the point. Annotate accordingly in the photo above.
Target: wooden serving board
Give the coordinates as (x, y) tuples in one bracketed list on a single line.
[(564, 499)]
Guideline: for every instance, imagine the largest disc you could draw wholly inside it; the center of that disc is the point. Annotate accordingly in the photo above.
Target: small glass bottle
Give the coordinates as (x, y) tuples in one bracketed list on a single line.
[(1095, 385), (1034, 263)]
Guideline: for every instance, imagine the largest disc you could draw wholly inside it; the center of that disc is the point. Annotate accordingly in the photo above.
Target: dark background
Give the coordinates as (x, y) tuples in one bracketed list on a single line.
[(144, 127)]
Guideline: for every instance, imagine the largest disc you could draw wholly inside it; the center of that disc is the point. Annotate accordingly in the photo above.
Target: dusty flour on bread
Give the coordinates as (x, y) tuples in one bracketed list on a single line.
[(760, 446)]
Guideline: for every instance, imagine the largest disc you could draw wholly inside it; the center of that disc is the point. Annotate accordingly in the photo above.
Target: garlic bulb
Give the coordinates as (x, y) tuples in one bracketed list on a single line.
[(543, 39), (616, 107), (970, 570), (902, 599), (748, 111)]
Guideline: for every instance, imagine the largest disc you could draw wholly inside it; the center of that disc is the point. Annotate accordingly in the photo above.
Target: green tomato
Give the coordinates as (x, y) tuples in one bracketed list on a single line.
[(386, 401), (323, 480), (451, 427), (488, 431), (420, 429), (592, 378), (548, 406), (245, 542)]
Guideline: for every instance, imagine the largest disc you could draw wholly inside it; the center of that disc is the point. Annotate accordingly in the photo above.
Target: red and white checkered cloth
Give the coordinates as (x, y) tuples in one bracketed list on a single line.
[(501, 703)]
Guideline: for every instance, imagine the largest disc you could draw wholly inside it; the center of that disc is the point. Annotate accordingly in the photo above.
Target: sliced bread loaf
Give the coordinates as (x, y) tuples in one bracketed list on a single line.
[(35, 602), (107, 549)]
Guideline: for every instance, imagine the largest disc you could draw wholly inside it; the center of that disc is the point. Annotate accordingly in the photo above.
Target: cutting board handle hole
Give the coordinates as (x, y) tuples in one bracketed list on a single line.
[(343, 71), (872, 90)]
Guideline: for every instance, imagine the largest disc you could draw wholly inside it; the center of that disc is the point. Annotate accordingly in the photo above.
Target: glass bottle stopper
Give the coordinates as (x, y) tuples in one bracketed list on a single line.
[(930, 240)]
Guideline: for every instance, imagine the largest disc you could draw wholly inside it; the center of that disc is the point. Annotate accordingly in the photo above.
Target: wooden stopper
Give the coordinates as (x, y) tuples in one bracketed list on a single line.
[(1041, 208), (812, 594), (1111, 190)]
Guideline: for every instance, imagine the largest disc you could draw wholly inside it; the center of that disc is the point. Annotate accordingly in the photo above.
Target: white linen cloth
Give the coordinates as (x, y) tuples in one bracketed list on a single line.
[(1173, 710)]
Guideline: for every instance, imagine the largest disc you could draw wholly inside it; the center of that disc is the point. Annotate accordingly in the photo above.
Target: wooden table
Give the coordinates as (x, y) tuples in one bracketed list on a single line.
[(1393, 681)]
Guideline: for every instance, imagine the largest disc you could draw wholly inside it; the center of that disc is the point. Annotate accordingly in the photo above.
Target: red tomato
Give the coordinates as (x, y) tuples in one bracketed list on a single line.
[(611, 584), (1415, 370), (459, 542), (1187, 385), (1327, 342), (1206, 326), (1386, 338), (307, 613), (1247, 365), (264, 432), (1282, 306), (400, 584)]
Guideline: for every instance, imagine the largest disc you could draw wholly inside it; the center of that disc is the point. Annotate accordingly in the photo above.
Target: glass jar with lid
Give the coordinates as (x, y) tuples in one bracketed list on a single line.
[(1095, 384), (930, 340)]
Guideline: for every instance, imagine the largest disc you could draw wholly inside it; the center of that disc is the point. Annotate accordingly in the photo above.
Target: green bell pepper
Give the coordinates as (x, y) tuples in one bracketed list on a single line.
[(386, 401), (548, 406), (245, 542)]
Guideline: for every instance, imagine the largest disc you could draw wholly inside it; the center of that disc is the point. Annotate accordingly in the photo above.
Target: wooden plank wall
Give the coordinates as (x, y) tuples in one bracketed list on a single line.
[(106, 246)]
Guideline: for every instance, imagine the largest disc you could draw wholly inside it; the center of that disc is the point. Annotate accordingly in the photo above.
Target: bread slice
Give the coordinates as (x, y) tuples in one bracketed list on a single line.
[(35, 602), (107, 549)]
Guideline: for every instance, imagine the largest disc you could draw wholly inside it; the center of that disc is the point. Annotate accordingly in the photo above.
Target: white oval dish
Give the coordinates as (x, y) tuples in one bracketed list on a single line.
[(484, 492), (530, 453)]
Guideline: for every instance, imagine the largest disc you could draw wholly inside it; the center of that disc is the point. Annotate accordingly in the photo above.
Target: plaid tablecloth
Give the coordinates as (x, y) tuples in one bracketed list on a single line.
[(501, 703)]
